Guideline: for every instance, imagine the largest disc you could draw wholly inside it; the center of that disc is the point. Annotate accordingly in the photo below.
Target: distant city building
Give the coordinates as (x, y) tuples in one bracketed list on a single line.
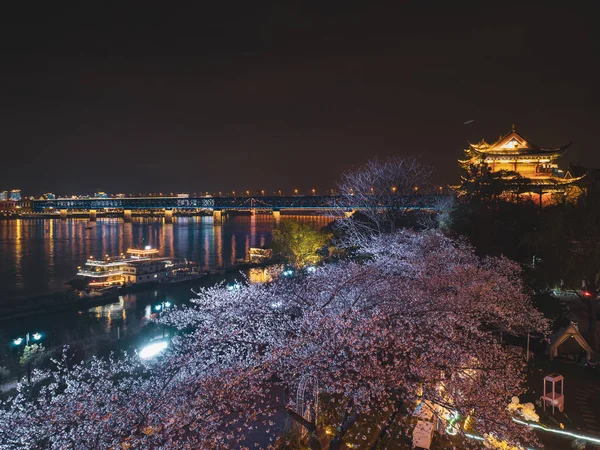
[(3, 196), (7, 206), (120, 196), (49, 196), (183, 195), (15, 195), (100, 195)]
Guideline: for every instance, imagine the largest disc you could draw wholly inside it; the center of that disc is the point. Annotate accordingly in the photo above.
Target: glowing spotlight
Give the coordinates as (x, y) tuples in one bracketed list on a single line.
[(151, 350)]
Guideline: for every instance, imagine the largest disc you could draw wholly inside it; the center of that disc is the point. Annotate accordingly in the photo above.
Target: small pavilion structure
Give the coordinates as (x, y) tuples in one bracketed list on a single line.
[(566, 335)]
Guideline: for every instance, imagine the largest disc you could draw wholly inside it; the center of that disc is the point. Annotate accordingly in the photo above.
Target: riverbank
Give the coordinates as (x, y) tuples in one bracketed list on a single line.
[(74, 300)]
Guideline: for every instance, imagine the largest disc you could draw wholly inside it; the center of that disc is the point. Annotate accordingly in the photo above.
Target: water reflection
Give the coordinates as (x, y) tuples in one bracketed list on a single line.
[(39, 256)]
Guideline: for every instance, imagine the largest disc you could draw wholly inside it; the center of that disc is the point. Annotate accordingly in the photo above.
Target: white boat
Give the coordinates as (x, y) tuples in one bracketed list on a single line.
[(137, 266)]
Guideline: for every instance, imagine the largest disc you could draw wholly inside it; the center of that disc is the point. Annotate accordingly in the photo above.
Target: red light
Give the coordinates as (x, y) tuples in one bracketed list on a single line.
[(587, 294)]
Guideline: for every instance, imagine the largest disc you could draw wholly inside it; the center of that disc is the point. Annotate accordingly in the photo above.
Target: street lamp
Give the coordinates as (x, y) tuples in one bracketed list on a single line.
[(28, 337), (160, 309)]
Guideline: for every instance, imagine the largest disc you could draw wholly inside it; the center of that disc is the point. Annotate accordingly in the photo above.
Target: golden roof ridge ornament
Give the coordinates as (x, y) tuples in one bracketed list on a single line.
[(513, 127)]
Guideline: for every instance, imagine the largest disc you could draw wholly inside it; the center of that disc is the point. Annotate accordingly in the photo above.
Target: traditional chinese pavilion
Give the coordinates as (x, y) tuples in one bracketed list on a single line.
[(525, 168)]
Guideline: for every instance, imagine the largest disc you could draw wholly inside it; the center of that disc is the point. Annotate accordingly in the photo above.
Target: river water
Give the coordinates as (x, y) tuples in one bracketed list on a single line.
[(38, 256)]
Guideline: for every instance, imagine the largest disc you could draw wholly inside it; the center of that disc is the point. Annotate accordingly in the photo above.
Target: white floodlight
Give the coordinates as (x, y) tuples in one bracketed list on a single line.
[(153, 349)]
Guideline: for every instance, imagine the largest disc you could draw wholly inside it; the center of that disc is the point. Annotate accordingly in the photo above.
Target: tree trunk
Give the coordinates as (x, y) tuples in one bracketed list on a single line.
[(592, 310), (387, 425), (338, 440), (311, 427)]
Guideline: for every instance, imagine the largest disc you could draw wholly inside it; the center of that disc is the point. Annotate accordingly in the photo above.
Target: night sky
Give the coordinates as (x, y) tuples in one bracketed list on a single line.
[(250, 95)]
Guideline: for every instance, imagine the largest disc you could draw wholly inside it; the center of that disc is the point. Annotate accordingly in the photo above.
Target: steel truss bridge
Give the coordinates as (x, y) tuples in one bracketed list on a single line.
[(272, 203)]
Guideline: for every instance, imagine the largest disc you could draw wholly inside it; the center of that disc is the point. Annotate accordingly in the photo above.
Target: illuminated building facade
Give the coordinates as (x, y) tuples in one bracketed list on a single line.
[(519, 166), (15, 195)]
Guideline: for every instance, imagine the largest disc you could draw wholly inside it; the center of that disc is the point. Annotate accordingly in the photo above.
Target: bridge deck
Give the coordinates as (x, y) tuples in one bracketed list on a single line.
[(315, 202)]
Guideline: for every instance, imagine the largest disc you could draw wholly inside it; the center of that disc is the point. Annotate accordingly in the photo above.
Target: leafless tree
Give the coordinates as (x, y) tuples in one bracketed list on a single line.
[(441, 216), (378, 191)]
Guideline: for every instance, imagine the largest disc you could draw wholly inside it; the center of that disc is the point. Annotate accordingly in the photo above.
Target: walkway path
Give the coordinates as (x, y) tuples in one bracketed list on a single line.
[(588, 401)]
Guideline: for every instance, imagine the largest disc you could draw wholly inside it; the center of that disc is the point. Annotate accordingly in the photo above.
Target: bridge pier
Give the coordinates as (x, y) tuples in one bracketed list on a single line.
[(92, 215), (276, 215), (127, 215), (217, 217), (168, 216), (63, 213)]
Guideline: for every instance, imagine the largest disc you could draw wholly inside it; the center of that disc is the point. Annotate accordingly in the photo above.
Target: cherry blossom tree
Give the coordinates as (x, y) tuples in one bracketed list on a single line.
[(378, 190), (188, 398), (419, 319), (416, 318)]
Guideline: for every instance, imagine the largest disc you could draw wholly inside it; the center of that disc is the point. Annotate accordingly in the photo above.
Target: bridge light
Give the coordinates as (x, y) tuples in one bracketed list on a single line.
[(296, 191), (394, 189), (262, 192), (248, 193), (314, 191), (416, 188)]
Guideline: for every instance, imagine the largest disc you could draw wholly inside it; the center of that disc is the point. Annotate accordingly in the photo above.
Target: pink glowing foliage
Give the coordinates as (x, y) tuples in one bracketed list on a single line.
[(418, 315)]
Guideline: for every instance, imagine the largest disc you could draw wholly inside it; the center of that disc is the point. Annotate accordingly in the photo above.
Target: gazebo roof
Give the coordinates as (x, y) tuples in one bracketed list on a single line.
[(563, 334)]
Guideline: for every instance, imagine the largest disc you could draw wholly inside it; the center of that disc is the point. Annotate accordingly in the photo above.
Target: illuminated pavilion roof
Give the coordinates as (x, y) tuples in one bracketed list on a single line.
[(514, 149), (514, 145)]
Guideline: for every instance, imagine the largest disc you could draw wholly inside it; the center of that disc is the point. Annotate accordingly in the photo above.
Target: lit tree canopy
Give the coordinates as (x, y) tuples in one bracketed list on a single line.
[(416, 319), (299, 242)]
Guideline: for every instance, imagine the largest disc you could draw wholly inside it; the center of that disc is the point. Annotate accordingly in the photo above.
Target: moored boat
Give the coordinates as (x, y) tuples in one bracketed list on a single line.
[(136, 267)]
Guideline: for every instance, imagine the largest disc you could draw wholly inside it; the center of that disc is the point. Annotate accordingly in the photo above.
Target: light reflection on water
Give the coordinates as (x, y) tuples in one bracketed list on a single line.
[(38, 256)]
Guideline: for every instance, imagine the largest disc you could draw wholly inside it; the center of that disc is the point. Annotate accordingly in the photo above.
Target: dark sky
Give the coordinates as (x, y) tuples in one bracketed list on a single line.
[(250, 95)]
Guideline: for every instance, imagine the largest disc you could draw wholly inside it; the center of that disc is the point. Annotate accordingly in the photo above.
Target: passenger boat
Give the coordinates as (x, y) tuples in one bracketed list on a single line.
[(136, 267)]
